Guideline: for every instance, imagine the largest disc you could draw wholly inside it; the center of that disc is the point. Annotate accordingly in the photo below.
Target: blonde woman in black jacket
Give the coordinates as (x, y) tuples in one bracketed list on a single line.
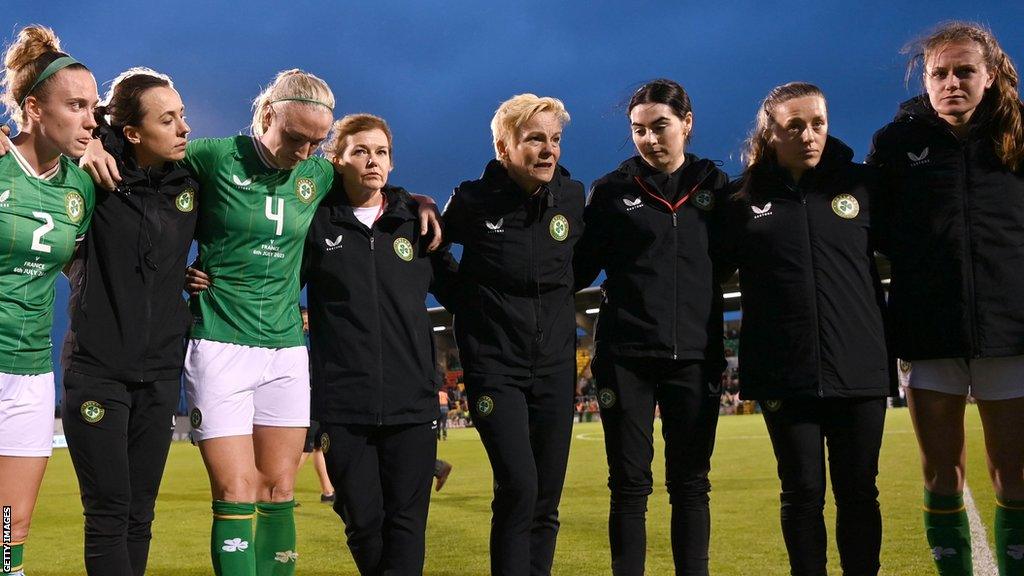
[(812, 346), (952, 160)]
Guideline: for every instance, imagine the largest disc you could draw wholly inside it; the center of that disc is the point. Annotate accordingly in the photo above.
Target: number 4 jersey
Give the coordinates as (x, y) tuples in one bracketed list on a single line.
[(41, 217), (253, 220)]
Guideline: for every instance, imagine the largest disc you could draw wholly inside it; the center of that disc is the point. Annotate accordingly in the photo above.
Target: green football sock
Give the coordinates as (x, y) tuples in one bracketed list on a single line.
[(231, 541), (1010, 537), (16, 550), (275, 538), (949, 533)]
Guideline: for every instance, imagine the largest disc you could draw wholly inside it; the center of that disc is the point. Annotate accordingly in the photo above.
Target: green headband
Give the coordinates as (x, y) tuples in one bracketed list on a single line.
[(307, 100), (54, 67)]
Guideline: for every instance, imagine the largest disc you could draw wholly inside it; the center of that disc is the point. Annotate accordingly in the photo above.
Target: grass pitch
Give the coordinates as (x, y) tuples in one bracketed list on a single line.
[(745, 537)]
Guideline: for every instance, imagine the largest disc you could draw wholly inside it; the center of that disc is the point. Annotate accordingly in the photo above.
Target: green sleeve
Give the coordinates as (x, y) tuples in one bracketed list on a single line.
[(324, 176), (201, 156), (89, 194)]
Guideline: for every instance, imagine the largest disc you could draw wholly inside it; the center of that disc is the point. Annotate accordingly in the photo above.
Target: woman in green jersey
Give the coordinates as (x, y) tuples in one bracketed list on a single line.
[(45, 206)]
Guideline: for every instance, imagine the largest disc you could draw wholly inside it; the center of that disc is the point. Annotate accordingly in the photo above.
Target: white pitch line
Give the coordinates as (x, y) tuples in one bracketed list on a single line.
[(984, 562)]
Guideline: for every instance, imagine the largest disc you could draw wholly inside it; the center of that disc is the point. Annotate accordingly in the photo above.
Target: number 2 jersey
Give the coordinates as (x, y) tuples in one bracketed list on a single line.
[(41, 217), (253, 220)]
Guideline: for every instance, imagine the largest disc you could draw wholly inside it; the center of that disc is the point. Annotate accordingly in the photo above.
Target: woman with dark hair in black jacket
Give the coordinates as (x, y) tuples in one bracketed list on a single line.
[(812, 345), (653, 225), (125, 347), (952, 161)]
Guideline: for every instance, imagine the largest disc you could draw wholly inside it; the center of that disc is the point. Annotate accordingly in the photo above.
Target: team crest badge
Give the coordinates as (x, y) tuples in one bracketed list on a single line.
[(704, 200), (325, 442), (845, 206), (75, 206), (403, 249), (606, 397), (195, 418), (772, 405), (559, 228), (305, 189), (485, 406), (92, 411), (185, 202)]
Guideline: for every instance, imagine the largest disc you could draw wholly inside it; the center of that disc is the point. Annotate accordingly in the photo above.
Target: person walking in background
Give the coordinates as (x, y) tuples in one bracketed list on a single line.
[(442, 421)]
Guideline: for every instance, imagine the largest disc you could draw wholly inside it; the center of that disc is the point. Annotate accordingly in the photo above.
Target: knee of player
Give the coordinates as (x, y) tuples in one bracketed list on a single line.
[(850, 492), (239, 489), (20, 529), (625, 489), (520, 487), (944, 478), (277, 490), (1007, 480), (805, 497), (689, 491)]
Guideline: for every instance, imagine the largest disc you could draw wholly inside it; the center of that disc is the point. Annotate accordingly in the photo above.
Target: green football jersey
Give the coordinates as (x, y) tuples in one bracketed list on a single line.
[(41, 217), (253, 220)]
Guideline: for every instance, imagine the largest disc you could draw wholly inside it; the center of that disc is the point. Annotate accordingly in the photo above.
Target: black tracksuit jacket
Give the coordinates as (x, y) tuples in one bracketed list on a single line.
[(371, 343), (514, 311), (129, 319), (956, 226), (812, 300), (660, 298)]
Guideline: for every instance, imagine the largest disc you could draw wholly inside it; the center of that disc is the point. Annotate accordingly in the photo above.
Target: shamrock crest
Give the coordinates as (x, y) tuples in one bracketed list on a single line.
[(235, 545)]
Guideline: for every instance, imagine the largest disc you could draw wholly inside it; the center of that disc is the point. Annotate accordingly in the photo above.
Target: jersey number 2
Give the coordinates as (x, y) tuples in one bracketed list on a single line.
[(277, 216), (37, 236)]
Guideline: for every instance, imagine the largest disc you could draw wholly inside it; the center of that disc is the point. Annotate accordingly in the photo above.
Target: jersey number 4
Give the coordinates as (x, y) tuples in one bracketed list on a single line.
[(275, 216), (37, 236)]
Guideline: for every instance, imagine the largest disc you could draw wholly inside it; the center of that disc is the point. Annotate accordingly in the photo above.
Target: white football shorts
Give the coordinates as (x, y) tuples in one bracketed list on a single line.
[(982, 378), (26, 414), (231, 387)]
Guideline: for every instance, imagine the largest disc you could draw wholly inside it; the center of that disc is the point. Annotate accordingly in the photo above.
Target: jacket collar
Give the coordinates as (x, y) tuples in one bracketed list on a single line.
[(770, 179), (693, 170), (919, 108), (497, 180), (156, 178), (397, 204)]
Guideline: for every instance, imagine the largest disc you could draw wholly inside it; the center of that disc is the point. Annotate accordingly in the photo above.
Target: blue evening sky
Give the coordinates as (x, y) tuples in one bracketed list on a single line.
[(437, 70)]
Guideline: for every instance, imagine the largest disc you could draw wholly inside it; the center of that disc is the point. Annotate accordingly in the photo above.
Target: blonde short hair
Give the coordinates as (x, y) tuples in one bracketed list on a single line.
[(518, 110), (294, 86)]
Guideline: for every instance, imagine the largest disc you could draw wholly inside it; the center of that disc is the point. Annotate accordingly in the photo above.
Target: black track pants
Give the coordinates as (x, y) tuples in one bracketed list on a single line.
[(118, 435), (687, 395), (382, 477), (525, 425), (852, 428)]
